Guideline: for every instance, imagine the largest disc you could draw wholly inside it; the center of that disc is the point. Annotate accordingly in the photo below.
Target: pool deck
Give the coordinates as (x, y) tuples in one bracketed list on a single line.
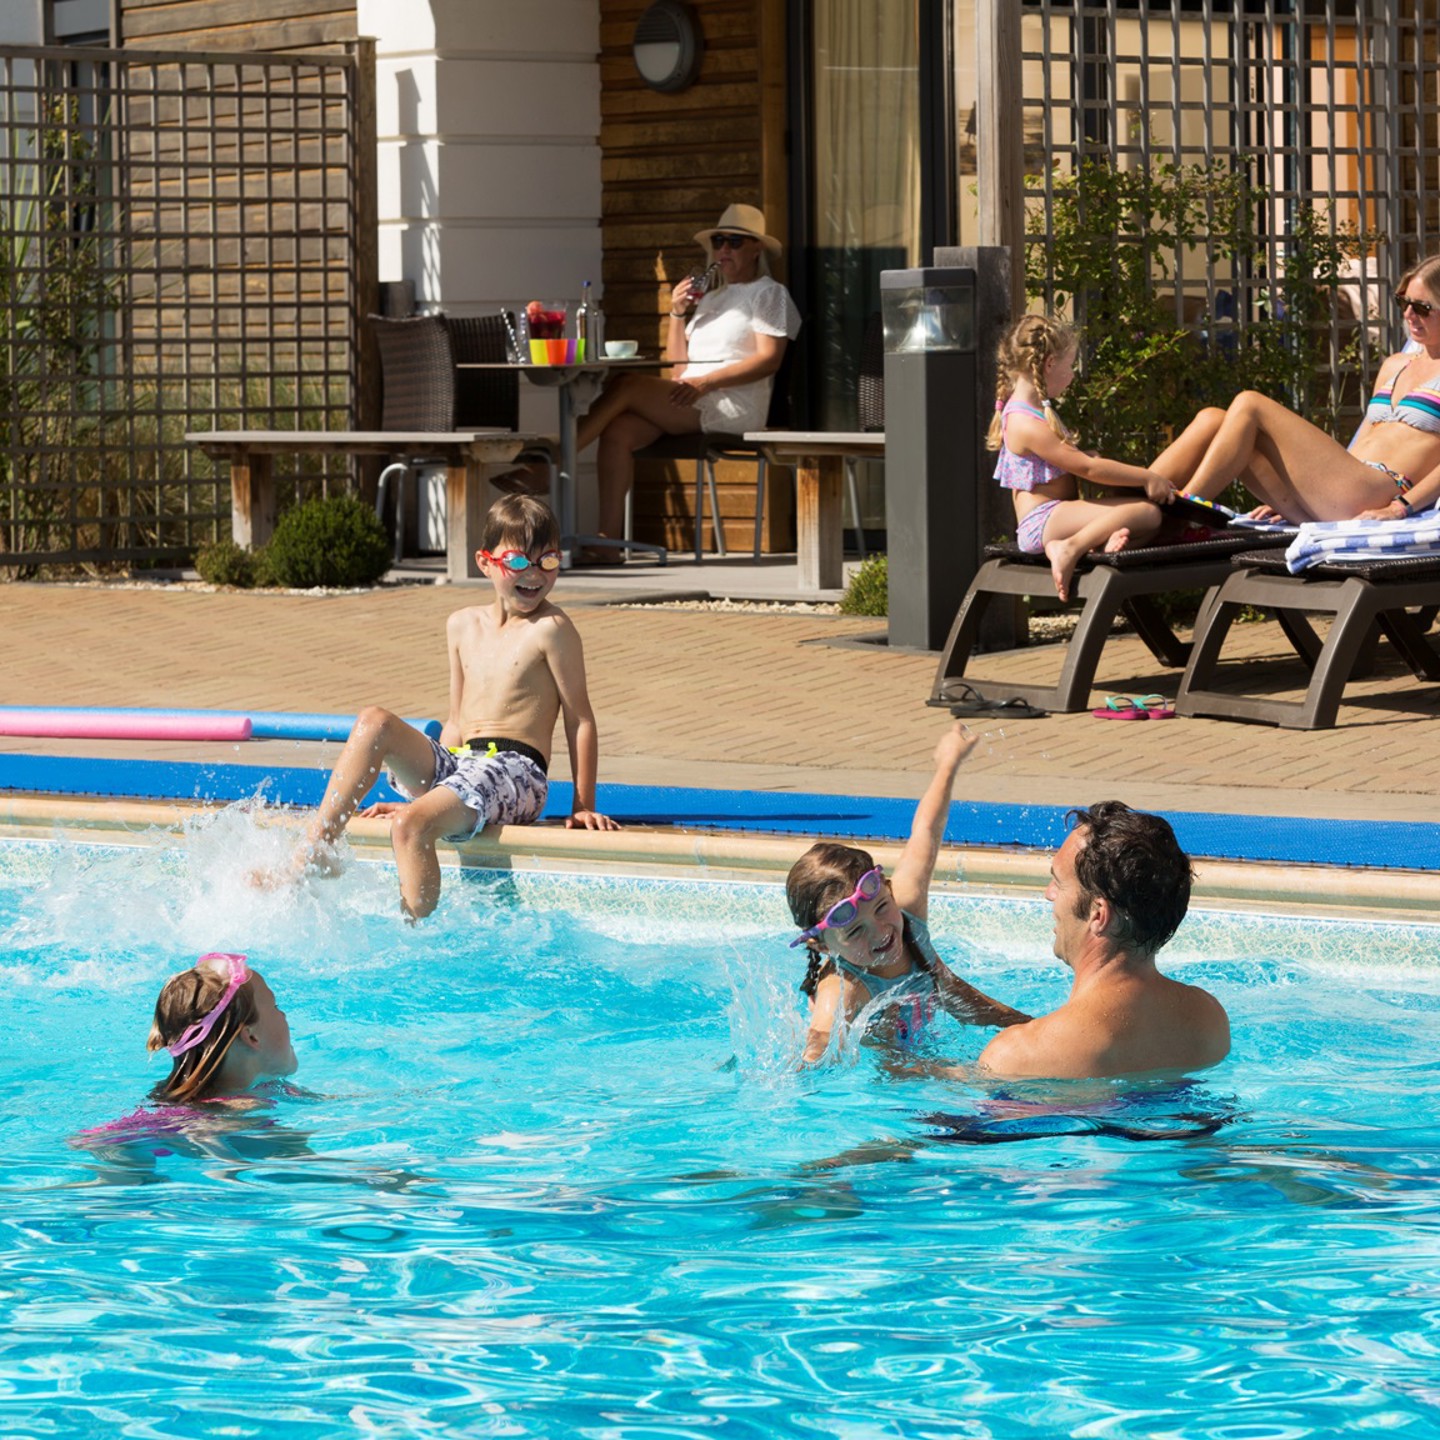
[(719, 700), (766, 702)]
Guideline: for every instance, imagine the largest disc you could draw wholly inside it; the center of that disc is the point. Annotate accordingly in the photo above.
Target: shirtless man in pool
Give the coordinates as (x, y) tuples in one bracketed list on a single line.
[(1119, 887)]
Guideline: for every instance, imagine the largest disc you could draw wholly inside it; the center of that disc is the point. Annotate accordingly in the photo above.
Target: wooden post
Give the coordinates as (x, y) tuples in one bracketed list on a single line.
[(818, 522), (464, 515), (252, 498), (999, 141), (365, 217)]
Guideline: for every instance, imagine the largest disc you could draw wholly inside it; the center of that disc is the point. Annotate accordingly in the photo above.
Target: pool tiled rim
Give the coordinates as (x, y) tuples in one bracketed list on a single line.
[(1396, 894)]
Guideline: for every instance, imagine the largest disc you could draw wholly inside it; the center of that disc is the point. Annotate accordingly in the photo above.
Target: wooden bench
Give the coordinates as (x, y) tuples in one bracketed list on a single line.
[(466, 455), (819, 459)]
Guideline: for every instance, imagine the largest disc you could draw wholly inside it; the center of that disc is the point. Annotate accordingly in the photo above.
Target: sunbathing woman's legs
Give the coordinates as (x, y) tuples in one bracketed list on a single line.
[(1287, 463), (1179, 460)]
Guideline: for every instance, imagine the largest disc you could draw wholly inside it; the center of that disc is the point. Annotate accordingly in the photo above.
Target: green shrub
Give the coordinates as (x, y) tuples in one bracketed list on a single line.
[(1110, 258), (868, 592), (226, 563), (336, 543)]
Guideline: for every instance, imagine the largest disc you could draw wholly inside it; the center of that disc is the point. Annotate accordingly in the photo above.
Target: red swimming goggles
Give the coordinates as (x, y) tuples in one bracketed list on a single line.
[(517, 560)]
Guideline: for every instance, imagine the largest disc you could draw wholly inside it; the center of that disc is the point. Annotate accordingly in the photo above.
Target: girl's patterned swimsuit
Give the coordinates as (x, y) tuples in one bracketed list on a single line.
[(917, 986), (1026, 472)]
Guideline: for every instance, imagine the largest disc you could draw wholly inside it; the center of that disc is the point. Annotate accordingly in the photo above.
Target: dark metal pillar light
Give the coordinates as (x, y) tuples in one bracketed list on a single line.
[(930, 445), (668, 46)]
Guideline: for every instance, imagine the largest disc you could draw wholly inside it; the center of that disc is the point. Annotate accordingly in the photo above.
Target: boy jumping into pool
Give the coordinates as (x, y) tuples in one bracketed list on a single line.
[(515, 665)]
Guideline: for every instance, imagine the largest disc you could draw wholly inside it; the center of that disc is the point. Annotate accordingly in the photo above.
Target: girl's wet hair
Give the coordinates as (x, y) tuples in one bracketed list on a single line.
[(823, 876), (523, 523), (185, 999), (1024, 349)]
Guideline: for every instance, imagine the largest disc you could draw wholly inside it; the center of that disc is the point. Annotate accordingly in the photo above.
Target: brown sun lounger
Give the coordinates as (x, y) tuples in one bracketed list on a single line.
[(1104, 586), (1368, 598)]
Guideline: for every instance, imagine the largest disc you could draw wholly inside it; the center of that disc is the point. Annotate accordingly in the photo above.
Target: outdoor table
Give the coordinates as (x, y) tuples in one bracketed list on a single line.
[(576, 385), (466, 455), (819, 459)]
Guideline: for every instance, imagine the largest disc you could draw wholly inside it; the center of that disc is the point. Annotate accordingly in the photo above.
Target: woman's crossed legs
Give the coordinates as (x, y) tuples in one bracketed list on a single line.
[(634, 411)]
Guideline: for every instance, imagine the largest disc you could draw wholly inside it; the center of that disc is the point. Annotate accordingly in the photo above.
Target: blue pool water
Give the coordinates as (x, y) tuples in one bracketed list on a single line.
[(555, 1175)]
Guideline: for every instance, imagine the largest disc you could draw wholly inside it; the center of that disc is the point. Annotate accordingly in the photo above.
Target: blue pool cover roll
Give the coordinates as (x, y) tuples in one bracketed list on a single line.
[(1282, 839)]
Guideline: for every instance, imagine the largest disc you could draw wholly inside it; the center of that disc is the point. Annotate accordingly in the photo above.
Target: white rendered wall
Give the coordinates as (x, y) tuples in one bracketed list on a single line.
[(489, 147), (488, 119)]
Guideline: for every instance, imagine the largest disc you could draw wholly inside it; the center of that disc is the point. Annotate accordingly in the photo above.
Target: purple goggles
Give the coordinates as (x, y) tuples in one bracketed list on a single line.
[(844, 911), (196, 1034)]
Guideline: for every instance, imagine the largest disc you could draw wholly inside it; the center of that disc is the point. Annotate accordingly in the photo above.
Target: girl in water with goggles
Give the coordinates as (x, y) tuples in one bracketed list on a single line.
[(222, 1029), (219, 1024), (867, 936)]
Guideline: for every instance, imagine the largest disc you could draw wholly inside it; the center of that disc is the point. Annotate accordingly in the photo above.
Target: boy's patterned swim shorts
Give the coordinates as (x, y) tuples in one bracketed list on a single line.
[(506, 788)]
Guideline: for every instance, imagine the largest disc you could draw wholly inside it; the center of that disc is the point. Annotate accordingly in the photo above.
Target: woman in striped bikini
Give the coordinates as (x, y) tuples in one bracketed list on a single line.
[(1392, 466)]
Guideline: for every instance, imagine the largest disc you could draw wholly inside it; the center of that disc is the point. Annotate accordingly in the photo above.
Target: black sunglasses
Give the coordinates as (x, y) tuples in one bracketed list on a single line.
[(719, 242), (1423, 308)]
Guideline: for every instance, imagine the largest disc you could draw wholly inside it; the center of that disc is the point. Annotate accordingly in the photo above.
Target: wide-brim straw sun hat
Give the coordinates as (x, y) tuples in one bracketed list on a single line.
[(740, 220)]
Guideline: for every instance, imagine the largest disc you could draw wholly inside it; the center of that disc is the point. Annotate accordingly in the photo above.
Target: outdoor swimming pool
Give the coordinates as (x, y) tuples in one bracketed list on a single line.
[(556, 1176)]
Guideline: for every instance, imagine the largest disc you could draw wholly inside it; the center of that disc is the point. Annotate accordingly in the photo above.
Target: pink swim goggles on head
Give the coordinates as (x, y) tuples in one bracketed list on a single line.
[(844, 911), (195, 1034)]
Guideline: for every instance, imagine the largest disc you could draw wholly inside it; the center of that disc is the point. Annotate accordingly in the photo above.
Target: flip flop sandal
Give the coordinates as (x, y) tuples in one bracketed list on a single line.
[(1157, 707), (1012, 709), (1121, 707), (958, 692)]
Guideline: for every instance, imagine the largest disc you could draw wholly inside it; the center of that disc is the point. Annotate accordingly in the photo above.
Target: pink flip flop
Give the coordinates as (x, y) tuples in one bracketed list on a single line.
[(1121, 707), (1157, 707)]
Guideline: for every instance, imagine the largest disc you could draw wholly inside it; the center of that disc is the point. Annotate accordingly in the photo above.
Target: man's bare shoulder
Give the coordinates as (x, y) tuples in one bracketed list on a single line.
[(1021, 1050)]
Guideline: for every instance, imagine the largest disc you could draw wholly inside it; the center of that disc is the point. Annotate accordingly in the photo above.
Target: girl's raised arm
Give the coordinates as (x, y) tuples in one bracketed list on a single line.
[(910, 883)]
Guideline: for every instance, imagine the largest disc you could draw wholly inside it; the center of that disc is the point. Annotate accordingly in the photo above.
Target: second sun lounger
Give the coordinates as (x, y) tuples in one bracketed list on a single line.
[(1362, 595)]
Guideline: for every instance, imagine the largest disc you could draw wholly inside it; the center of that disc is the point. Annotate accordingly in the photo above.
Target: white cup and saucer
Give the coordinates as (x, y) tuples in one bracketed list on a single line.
[(621, 349)]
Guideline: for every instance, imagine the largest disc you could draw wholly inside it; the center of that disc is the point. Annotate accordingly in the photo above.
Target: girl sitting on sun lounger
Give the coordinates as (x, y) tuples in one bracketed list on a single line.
[(1040, 462)]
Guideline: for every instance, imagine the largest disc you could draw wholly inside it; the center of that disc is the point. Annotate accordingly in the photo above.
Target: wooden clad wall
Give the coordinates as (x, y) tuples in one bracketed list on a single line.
[(669, 165), (260, 25)]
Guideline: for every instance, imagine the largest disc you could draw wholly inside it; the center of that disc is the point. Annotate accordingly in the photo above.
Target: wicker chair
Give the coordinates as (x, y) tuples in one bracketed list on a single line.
[(486, 399), (423, 391)]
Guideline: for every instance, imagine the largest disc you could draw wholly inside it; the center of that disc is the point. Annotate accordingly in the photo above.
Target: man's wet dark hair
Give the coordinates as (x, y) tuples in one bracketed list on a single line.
[(1134, 861)]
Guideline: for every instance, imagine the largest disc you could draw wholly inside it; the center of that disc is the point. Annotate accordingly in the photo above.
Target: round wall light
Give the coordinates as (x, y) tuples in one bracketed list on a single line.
[(668, 45)]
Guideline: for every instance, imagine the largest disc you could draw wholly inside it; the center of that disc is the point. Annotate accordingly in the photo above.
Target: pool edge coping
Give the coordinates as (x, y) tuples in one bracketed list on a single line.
[(727, 854)]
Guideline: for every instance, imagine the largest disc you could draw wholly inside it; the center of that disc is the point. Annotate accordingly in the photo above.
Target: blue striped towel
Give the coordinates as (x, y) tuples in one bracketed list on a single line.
[(1327, 541)]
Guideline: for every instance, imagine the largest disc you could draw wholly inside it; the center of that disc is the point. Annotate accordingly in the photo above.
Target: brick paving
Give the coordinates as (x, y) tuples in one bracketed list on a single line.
[(743, 700)]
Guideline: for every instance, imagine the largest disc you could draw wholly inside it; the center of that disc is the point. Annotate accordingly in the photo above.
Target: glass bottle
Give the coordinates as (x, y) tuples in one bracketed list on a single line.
[(585, 348)]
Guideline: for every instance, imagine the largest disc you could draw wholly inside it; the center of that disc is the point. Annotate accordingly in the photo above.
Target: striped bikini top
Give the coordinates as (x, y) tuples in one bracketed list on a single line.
[(1420, 408), (1022, 472)]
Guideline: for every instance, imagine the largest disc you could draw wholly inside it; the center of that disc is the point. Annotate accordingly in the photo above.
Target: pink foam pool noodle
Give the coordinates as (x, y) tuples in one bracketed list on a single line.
[(121, 725)]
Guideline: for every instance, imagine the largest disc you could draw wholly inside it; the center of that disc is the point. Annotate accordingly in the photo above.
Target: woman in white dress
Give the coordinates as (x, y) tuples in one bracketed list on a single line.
[(729, 340)]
